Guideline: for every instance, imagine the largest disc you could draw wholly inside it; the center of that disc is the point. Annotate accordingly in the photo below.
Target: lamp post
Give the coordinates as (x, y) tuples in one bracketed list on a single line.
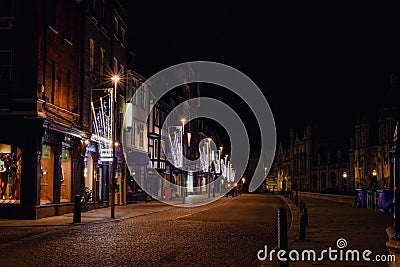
[(183, 171), (344, 181), (209, 165), (113, 110)]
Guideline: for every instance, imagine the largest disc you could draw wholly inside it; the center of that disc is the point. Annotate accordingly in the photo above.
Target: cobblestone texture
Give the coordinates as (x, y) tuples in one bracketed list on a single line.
[(220, 234)]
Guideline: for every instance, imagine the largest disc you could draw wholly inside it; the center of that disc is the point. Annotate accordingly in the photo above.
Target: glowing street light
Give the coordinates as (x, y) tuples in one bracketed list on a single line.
[(113, 109)]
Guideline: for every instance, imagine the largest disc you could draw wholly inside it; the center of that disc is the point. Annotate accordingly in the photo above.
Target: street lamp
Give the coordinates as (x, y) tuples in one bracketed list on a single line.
[(209, 165), (113, 110), (183, 171)]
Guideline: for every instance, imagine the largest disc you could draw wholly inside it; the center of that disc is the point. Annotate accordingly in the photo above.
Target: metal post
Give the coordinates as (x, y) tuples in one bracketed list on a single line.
[(282, 234), (305, 213), (396, 199), (114, 160), (77, 209)]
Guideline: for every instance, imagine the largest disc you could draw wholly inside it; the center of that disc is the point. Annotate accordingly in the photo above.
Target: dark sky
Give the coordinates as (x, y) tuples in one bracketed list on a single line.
[(314, 62)]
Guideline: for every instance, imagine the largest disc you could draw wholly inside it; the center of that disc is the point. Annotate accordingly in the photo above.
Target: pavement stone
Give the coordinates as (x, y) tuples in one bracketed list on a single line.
[(328, 221)]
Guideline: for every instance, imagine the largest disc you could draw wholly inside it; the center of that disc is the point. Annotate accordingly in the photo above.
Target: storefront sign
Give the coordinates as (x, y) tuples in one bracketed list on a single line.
[(64, 155), (106, 153), (45, 152)]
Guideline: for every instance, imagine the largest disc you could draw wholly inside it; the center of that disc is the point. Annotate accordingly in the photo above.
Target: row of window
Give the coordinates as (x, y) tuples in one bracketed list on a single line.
[(97, 10), (137, 130)]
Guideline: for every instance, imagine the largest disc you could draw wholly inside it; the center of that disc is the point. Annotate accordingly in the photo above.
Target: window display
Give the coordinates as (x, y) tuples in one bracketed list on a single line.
[(10, 174)]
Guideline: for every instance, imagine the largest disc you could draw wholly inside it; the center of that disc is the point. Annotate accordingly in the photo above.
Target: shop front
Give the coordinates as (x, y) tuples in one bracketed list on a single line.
[(40, 170)]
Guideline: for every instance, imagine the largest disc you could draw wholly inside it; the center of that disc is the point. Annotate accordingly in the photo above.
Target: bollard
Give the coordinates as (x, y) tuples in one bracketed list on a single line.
[(282, 234), (305, 213), (302, 235), (77, 209)]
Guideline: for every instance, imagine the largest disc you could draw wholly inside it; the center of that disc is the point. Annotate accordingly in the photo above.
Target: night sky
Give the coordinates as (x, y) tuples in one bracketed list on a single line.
[(314, 62)]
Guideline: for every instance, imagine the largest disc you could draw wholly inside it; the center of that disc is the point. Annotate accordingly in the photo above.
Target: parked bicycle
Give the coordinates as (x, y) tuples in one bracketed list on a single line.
[(87, 196)]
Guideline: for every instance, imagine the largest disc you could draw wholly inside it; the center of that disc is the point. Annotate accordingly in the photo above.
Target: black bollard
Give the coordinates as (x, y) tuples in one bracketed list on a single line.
[(77, 209), (305, 213), (282, 234), (302, 235)]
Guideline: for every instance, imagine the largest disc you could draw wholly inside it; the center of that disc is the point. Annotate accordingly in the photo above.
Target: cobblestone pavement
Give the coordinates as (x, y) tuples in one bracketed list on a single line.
[(228, 232)]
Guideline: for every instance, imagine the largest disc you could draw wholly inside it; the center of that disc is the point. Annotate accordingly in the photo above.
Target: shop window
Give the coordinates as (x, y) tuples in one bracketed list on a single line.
[(66, 170), (47, 177), (10, 174)]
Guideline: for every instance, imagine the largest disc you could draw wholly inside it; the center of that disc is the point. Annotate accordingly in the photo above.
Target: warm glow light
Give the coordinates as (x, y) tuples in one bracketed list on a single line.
[(344, 175), (243, 180), (374, 172), (115, 78), (116, 144)]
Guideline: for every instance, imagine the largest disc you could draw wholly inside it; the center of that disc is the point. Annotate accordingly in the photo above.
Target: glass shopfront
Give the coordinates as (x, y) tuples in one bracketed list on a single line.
[(66, 171), (47, 178), (55, 171), (10, 174)]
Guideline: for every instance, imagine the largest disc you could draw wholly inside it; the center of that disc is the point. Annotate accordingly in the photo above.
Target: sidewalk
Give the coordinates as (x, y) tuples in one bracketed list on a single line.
[(121, 212), (92, 216), (328, 221)]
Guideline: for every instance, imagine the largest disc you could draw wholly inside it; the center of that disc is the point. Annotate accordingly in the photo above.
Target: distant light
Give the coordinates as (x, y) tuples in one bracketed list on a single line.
[(374, 173), (344, 175), (116, 144)]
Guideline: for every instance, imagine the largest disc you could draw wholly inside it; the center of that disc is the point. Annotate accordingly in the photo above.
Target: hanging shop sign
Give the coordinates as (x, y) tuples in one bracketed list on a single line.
[(45, 152), (64, 155)]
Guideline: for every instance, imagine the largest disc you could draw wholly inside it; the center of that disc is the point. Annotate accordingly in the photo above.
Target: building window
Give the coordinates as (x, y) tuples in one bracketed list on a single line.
[(102, 55), (121, 72), (66, 99), (133, 140), (134, 90), (123, 34), (115, 65), (5, 65), (142, 97), (50, 80), (116, 27), (68, 23), (52, 14), (141, 136), (10, 174), (91, 54)]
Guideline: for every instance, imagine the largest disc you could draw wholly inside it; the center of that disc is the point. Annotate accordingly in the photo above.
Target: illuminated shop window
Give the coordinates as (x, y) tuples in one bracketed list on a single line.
[(66, 170), (10, 174), (47, 177)]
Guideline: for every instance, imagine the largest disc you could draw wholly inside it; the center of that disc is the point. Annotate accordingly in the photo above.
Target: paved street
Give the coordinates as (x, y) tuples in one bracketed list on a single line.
[(328, 221), (228, 232)]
